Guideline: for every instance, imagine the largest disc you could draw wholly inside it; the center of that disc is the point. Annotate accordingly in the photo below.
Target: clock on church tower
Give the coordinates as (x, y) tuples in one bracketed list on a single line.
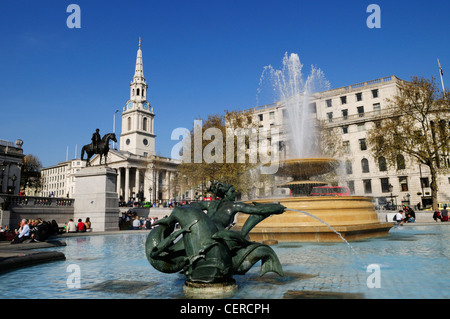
[(137, 136)]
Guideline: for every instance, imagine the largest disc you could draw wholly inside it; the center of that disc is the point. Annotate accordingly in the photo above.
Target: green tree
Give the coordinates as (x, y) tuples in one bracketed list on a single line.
[(418, 127), (30, 176)]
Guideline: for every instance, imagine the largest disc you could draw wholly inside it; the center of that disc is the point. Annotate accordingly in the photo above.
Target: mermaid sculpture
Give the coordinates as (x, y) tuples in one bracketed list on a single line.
[(209, 251)]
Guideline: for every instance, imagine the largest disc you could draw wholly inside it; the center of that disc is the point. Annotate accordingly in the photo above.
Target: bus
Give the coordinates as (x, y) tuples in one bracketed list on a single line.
[(330, 191)]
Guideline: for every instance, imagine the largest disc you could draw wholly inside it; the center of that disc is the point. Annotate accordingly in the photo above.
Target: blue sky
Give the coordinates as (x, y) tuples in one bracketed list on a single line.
[(57, 85)]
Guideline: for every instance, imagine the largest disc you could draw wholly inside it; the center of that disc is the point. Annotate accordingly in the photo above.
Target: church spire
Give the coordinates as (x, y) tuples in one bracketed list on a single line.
[(139, 70)]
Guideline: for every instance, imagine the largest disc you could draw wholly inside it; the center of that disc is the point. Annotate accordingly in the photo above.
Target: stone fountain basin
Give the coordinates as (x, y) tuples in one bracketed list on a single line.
[(353, 216)]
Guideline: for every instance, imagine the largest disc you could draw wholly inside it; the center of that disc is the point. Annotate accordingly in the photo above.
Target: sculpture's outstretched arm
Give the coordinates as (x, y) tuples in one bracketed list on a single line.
[(258, 212)]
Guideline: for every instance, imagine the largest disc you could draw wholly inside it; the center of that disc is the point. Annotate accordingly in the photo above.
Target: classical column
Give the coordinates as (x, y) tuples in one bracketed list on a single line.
[(127, 184), (119, 181), (136, 182)]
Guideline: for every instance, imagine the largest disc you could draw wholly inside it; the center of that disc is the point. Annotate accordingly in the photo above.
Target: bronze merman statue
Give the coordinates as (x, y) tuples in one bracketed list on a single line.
[(209, 251)]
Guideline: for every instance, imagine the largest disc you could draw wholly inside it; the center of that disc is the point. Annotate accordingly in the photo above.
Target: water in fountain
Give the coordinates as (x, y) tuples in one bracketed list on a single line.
[(334, 230), (294, 91)]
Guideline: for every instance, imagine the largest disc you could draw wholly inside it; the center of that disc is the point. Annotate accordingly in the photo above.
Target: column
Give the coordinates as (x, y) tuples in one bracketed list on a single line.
[(136, 183), (119, 181), (127, 184)]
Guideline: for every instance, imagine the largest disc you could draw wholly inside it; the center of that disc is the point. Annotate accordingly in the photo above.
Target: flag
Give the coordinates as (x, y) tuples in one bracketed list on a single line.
[(440, 69)]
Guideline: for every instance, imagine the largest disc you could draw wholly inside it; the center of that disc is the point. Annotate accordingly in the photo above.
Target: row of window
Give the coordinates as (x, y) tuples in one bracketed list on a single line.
[(382, 165), (358, 98), (386, 186), (146, 124), (138, 92), (359, 109)]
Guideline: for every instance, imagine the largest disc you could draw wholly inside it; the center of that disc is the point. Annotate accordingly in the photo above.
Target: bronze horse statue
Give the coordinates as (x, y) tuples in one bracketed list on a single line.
[(103, 148)]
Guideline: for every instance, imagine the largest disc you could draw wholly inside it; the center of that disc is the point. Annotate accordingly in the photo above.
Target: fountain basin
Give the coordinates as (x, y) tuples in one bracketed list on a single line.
[(352, 216)]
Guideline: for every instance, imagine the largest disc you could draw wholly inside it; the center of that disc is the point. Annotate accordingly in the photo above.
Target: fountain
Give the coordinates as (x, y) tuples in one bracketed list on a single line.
[(353, 217)]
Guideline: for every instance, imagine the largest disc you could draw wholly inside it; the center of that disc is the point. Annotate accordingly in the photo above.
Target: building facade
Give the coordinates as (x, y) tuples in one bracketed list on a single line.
[(11, 156), (352, 111)]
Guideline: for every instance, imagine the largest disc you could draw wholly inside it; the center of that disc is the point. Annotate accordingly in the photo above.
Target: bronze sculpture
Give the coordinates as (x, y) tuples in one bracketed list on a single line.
[(209, 251), (98, 147)]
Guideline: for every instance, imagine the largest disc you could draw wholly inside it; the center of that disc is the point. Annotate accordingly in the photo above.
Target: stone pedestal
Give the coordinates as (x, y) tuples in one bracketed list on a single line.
[(96, 197)]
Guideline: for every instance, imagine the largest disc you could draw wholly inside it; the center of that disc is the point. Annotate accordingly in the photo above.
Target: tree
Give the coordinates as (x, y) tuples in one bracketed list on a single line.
[(30, 176), (217, 163), (417, 126)]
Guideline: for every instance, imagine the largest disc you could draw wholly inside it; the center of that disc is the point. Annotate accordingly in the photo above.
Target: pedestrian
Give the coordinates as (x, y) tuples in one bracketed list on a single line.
[(87, 223), (444, 214), (23, 233), (81, 227), (399, 217), (71, 227), (136, 223), (437, 215)]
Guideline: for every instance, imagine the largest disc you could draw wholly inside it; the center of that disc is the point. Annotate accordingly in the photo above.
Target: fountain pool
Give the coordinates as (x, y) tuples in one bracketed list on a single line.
[(410, 261)]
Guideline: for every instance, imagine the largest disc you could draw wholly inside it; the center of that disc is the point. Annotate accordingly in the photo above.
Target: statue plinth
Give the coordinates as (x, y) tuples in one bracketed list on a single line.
[(96, 197), (222, 290)]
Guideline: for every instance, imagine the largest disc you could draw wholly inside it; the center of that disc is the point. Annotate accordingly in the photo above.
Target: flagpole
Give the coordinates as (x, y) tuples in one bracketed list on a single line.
[(441, 72)]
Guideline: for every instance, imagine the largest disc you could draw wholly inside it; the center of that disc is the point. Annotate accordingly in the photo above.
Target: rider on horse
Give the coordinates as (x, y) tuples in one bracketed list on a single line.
[(96, 139)]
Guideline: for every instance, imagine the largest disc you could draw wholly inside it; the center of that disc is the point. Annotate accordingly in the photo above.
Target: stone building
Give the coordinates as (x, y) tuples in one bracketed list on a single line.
[(10, 166), (352, 110)]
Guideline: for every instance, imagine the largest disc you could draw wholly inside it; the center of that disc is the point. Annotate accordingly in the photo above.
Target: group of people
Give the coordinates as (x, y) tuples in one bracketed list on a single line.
[(410, 216), (140, 223), (79, 227), (34, 230), (441, 215)]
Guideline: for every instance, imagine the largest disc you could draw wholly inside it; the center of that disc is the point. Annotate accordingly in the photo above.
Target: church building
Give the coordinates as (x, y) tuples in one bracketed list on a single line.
[(142, 175)]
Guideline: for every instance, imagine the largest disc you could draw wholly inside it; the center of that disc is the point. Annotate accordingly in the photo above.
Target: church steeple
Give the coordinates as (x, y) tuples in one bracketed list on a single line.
[(138, 135), (139, 70), (138, 87)]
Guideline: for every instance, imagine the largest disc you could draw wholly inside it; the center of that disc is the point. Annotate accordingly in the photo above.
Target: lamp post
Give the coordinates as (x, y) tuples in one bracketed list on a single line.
[(392, 197), (114, 126)]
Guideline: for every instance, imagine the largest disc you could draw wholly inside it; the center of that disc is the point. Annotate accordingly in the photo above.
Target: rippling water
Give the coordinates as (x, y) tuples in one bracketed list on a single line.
[(411, 263)]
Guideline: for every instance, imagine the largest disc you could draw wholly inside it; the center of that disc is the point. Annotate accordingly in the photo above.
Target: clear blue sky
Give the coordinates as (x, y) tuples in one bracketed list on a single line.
[(57, 85)]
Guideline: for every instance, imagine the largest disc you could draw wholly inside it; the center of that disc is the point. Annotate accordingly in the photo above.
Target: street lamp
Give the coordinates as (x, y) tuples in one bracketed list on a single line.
[(392, 197), (114, 125)]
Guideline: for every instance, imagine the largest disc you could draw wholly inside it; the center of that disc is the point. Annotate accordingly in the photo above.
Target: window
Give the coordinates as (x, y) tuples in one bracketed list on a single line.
[(360, 111), (377, 108), (348, 167), (359, 96), (365, 165), (330, 117), (272, 115), (328, 103), (351, 187), (367, 186), (384, 185), (260, 117), (361, 127), (313, 107), (144, 124), (137, 92), (362, 144), (382, 164), (375, 93), (345, 114), (343, 100), (400, 161), (346, 146), (129, 123), (403, 183), (425, 182), (344, 129)]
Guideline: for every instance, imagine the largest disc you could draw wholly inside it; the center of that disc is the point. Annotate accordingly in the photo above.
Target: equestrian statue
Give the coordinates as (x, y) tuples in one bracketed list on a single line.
[(99, 146)]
